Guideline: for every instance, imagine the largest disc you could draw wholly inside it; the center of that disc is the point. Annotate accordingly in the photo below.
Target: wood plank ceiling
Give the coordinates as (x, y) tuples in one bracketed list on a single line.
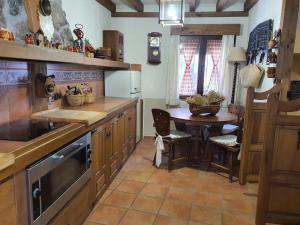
[(221, 5)]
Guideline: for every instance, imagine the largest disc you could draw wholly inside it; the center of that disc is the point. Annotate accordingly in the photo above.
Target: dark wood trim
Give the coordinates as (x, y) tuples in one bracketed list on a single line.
[(223, 4), (289, 17), (207, 29), (249, 4), (135, 4), (111, 6), (193, 5), (187, 14)]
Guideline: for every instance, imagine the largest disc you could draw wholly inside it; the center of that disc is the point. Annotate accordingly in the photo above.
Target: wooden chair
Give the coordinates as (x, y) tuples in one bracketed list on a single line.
[(228, 145), (170, 137), (253, 138)]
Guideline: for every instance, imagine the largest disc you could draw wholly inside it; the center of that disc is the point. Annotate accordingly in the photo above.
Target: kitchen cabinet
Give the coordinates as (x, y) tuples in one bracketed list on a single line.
[(76, 211), (8, 212), (112, 144), (99, 162), (114, 39)]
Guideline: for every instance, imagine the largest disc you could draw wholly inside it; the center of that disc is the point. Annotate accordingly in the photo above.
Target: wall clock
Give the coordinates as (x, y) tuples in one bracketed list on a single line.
[(154, 48)]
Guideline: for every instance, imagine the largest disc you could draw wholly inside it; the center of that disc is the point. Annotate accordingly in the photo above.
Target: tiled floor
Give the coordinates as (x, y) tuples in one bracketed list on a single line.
[(142, 195)]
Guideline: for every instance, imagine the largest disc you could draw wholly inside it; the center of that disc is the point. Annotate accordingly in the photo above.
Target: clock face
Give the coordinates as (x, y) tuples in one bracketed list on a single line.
[(154, 41)]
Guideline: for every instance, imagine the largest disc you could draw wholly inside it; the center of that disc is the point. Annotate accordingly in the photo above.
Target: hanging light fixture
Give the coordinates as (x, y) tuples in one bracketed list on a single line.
[(171, 12)]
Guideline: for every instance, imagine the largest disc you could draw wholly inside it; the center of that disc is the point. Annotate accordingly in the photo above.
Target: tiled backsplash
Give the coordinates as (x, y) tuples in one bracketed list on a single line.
[(16, 86)]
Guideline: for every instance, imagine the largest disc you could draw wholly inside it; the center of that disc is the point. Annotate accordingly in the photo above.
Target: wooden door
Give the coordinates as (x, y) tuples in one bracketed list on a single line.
[(8, 214), (132, 129), (99, 165), (279, 186), (126, 151)]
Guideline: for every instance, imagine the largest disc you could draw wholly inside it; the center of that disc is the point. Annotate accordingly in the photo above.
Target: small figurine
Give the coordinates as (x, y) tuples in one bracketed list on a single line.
[(6, 35), (47, 43), (28, 39), (39, 39), (79, 43)]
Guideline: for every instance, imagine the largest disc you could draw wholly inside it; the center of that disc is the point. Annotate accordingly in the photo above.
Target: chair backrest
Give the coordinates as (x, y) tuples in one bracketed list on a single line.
[(238, 110), (161, 121)]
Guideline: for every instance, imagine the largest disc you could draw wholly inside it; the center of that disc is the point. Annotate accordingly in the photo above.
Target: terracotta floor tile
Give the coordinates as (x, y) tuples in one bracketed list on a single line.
[(140, 175), (133, 217), (114, 184), (155, 190), (237, 219), (211, 200), (175, 209), (130, 186), (107, 215), (165, 220), (90, 223), (105, 195), (197, 223), (206, 215), (181, 195), (121, 199), (185, 183), (188, 172), (162, 178), (122, 174), (147, 204), (239, 203)]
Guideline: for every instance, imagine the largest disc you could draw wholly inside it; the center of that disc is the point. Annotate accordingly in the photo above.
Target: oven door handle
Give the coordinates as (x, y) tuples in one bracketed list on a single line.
[(57, 157), (70, 150)]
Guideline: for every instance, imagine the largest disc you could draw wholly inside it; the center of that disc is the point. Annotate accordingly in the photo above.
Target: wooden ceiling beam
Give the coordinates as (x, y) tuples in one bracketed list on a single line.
[(187, 14), (193, 5), (223, 4), (111, 6), (249, 4), (207, 29), (135, 4)]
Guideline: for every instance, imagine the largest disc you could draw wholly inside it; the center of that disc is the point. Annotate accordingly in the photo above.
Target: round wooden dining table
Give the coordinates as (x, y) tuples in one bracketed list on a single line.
[(183, 115)]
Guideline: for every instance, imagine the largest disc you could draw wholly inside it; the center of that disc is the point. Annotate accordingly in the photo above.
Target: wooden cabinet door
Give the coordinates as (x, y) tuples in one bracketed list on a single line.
[(8, 214), (121, 135), (99, 162), (132, 129), (279, 184), (112, 147)]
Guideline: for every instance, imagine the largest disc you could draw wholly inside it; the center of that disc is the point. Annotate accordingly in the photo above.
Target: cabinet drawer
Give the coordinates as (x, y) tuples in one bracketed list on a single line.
[(287, 149), (8, 214)]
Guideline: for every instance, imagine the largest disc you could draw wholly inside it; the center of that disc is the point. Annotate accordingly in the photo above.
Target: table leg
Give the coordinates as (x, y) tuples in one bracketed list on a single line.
[(197, 141)]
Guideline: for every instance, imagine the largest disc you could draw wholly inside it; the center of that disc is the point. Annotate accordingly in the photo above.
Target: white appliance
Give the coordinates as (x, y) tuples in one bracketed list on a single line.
[(126, 84)]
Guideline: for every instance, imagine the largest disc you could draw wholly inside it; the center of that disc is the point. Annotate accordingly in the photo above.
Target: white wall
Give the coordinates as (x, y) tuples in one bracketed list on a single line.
[(135, 32), (262, 11), (93, 16)]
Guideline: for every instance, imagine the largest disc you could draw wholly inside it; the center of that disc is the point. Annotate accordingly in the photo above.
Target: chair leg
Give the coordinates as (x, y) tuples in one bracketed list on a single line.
[(210, 153), (231, 161), (170, 161), (154, 159)]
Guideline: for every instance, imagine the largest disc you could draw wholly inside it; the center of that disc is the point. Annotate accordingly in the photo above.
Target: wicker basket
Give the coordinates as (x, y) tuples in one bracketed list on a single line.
[(89, 98), (207, 109), (75, 100)]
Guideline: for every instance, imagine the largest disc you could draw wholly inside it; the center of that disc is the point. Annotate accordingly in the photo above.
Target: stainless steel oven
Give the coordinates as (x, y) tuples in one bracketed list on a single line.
[(54, 180)]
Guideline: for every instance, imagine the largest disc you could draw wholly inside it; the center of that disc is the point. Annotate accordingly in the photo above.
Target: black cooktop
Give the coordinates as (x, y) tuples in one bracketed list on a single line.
[(26, 130)]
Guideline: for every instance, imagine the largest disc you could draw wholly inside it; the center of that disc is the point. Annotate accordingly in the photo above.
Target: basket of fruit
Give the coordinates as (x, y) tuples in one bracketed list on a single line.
[(207, 104)]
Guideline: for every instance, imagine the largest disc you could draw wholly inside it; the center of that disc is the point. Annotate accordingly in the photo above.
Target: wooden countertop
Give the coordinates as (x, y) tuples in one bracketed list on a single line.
[(25, 153)]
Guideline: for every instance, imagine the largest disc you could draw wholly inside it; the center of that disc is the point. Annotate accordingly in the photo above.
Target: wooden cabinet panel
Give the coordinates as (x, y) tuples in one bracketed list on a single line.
[(99, 162), (76, 211), (8, 214), (287, 158)]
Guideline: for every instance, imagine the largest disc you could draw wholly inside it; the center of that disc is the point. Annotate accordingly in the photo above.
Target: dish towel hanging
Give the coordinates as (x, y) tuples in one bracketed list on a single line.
[(159, 143)]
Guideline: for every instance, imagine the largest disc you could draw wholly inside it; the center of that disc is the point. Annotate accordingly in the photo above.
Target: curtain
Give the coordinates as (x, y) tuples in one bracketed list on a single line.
[(172, 95), (189, 48), (214, 48), (227, 70)]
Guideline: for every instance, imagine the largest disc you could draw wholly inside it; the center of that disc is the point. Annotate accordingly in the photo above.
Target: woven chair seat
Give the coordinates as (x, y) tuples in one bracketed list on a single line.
[(229, 128)]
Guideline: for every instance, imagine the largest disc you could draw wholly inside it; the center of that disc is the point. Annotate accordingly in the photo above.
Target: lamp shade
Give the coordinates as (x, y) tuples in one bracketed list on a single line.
[(236, 55), (171, 12)]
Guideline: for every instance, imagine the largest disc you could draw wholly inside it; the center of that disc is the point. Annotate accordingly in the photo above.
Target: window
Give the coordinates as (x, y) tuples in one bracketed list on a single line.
[(200, 59)]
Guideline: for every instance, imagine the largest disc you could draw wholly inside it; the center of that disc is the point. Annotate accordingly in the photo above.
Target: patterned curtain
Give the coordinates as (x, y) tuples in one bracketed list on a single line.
[(189, 48), (215, 50)]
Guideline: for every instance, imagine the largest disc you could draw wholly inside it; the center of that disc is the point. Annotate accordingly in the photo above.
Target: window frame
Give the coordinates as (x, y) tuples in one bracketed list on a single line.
[(202, 50)]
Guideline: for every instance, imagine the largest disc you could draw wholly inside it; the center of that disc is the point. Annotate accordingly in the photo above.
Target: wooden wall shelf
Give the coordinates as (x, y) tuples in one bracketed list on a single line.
[(17, 51)]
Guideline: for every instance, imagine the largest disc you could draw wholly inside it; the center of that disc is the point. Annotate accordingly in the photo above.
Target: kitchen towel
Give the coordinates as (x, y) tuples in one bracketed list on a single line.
[(159, 143)]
